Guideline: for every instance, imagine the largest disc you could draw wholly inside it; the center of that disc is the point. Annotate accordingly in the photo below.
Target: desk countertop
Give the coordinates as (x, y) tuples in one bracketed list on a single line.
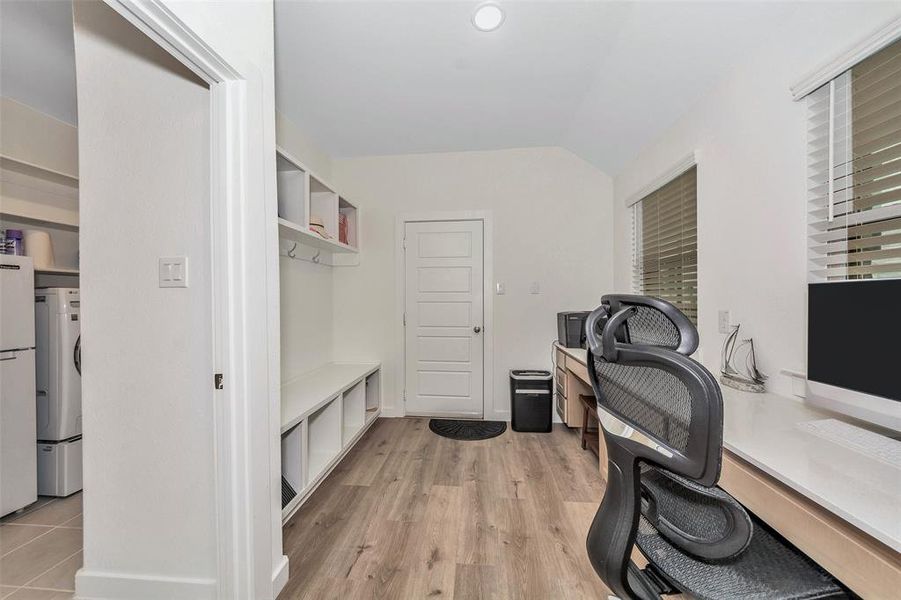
[(762, 430)]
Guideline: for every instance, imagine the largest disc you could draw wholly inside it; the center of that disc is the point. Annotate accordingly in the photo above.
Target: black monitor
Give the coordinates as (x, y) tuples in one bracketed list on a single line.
[(854, 346)]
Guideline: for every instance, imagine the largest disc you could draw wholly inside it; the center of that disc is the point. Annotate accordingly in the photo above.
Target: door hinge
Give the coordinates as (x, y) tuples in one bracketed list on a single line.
[(217, 381), (405, 319), (404, 243)]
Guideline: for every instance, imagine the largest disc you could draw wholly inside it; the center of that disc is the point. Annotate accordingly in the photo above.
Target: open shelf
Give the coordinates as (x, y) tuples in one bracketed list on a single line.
[(324, 207), (323, 438), (293, 454), (373, 396), (292, 190), (56, 271), (296, 233), (14, 164), (324, 413), (305, 394), (304, 198), (354, 413), (34, 195), (347, 214)]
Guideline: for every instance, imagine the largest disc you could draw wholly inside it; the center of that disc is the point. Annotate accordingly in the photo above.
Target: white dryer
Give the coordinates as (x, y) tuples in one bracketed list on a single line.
[(58, 379)]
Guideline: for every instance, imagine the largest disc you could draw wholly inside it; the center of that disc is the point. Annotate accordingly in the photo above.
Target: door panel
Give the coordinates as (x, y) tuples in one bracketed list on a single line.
[(444, 279), (443, 300)]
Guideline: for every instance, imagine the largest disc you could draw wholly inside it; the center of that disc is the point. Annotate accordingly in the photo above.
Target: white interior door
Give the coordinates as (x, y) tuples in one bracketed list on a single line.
[(443, 302)]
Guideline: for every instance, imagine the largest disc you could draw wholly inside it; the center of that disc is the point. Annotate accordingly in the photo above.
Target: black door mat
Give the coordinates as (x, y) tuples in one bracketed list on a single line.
[(456, 429)]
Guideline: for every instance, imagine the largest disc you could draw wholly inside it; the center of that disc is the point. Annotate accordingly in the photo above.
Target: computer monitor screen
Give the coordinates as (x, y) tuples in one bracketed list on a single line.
[(854, 336)]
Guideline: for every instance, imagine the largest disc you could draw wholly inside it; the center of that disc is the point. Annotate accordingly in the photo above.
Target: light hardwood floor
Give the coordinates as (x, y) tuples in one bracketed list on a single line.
[(409, 514)]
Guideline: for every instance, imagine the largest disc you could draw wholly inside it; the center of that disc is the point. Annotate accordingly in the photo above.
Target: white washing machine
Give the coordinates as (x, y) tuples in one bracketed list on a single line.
[(58, 378)]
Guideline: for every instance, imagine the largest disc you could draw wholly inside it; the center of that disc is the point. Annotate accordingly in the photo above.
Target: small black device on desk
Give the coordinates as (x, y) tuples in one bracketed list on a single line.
[(571, 328)]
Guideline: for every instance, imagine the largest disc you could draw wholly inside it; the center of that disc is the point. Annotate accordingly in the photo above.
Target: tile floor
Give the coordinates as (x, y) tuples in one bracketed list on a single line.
[(40, 550)]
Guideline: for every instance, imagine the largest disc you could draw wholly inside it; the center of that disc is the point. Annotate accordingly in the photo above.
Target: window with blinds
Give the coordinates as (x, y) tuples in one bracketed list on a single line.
[(854, 171), (665, 238)]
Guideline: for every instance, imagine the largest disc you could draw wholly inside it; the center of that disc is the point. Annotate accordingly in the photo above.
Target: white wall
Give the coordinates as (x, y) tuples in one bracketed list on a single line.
[(300, 145), (306, 289), (750, 138), (552, 224), (147, 400), (242, 32), (183, 543), (307, 303)]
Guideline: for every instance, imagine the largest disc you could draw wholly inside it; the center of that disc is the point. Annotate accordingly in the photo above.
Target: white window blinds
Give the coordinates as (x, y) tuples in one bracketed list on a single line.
[(665, 234), (854, 171)]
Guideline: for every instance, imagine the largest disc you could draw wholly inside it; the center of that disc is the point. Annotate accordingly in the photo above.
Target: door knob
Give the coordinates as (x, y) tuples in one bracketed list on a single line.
[(477, 329)]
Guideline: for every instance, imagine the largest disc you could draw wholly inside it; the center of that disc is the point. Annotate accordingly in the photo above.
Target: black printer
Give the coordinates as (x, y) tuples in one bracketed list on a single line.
[(571, 328)]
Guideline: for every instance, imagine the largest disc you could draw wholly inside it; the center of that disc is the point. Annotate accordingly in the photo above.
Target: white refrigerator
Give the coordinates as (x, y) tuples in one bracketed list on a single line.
[(18, 425)]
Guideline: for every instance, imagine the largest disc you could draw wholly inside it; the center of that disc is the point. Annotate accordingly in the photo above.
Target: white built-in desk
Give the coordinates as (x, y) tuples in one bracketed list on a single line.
[(839, 506), (324, 413), (763, 430)]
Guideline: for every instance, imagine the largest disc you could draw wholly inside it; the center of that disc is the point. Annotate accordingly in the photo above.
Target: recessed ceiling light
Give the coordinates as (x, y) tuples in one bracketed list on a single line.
[(488, 16)]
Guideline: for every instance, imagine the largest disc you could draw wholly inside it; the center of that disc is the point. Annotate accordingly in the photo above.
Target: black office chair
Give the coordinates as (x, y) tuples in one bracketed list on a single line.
[(662, 415)]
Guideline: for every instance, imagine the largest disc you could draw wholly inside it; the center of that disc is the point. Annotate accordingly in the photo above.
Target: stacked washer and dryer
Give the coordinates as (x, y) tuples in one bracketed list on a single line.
[(58, 388)]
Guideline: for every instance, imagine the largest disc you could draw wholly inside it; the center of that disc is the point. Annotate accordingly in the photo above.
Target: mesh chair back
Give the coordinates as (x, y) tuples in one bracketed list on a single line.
[(641, 376), (657, 407)]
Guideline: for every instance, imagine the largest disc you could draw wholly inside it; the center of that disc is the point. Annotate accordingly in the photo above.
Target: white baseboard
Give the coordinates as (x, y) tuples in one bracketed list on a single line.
[(392, 411), (501, 415), (102, 585), (280, 576)]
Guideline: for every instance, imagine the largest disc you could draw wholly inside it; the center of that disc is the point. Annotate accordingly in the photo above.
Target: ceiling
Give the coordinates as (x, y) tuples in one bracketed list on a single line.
[(37, 55), (599, 78), (374, 77)]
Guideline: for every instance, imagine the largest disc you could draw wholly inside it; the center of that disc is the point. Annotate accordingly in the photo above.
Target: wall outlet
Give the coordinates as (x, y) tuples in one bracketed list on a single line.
[(724, 326), (535, 288)]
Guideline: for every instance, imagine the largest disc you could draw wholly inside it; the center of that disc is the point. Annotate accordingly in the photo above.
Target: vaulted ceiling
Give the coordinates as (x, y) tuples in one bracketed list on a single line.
[(599, 78), (392, 77)]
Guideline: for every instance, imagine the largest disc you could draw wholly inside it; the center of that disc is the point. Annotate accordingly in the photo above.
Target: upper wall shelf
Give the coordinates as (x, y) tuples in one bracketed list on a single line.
[(36, 195), (56, 271), (8, 162), (307, 204), (294, 232)]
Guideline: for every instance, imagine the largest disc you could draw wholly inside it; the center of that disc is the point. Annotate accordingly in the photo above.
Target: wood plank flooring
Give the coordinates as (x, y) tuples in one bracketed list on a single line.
[(409, 514)]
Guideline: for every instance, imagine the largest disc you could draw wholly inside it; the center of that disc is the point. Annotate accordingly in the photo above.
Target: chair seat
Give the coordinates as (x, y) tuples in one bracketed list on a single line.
[(769, 569)]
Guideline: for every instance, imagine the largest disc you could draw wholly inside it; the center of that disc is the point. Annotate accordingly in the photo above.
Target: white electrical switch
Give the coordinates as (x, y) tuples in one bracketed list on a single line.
[(535, 288), (173, 271), (500, 289), (724, 322)]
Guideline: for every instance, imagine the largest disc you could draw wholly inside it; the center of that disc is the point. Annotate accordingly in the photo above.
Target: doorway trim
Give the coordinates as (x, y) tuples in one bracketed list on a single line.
[(489, 408), (236, 311)]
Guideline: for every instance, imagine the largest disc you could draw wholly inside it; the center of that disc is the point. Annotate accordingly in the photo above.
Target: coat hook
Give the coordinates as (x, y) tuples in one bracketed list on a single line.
[(291, 251), (316, 256)]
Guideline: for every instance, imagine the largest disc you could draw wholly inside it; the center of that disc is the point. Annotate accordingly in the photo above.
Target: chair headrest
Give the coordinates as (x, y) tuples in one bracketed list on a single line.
[(648, 321)]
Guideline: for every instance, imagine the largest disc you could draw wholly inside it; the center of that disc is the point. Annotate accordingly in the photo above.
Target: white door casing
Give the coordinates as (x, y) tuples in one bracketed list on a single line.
[(444, 318), (244, 312)]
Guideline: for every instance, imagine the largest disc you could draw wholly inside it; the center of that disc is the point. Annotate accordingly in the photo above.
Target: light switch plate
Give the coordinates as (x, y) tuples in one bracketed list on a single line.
[(174, 272), (500, 289), (535, 288), (724, 326)]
